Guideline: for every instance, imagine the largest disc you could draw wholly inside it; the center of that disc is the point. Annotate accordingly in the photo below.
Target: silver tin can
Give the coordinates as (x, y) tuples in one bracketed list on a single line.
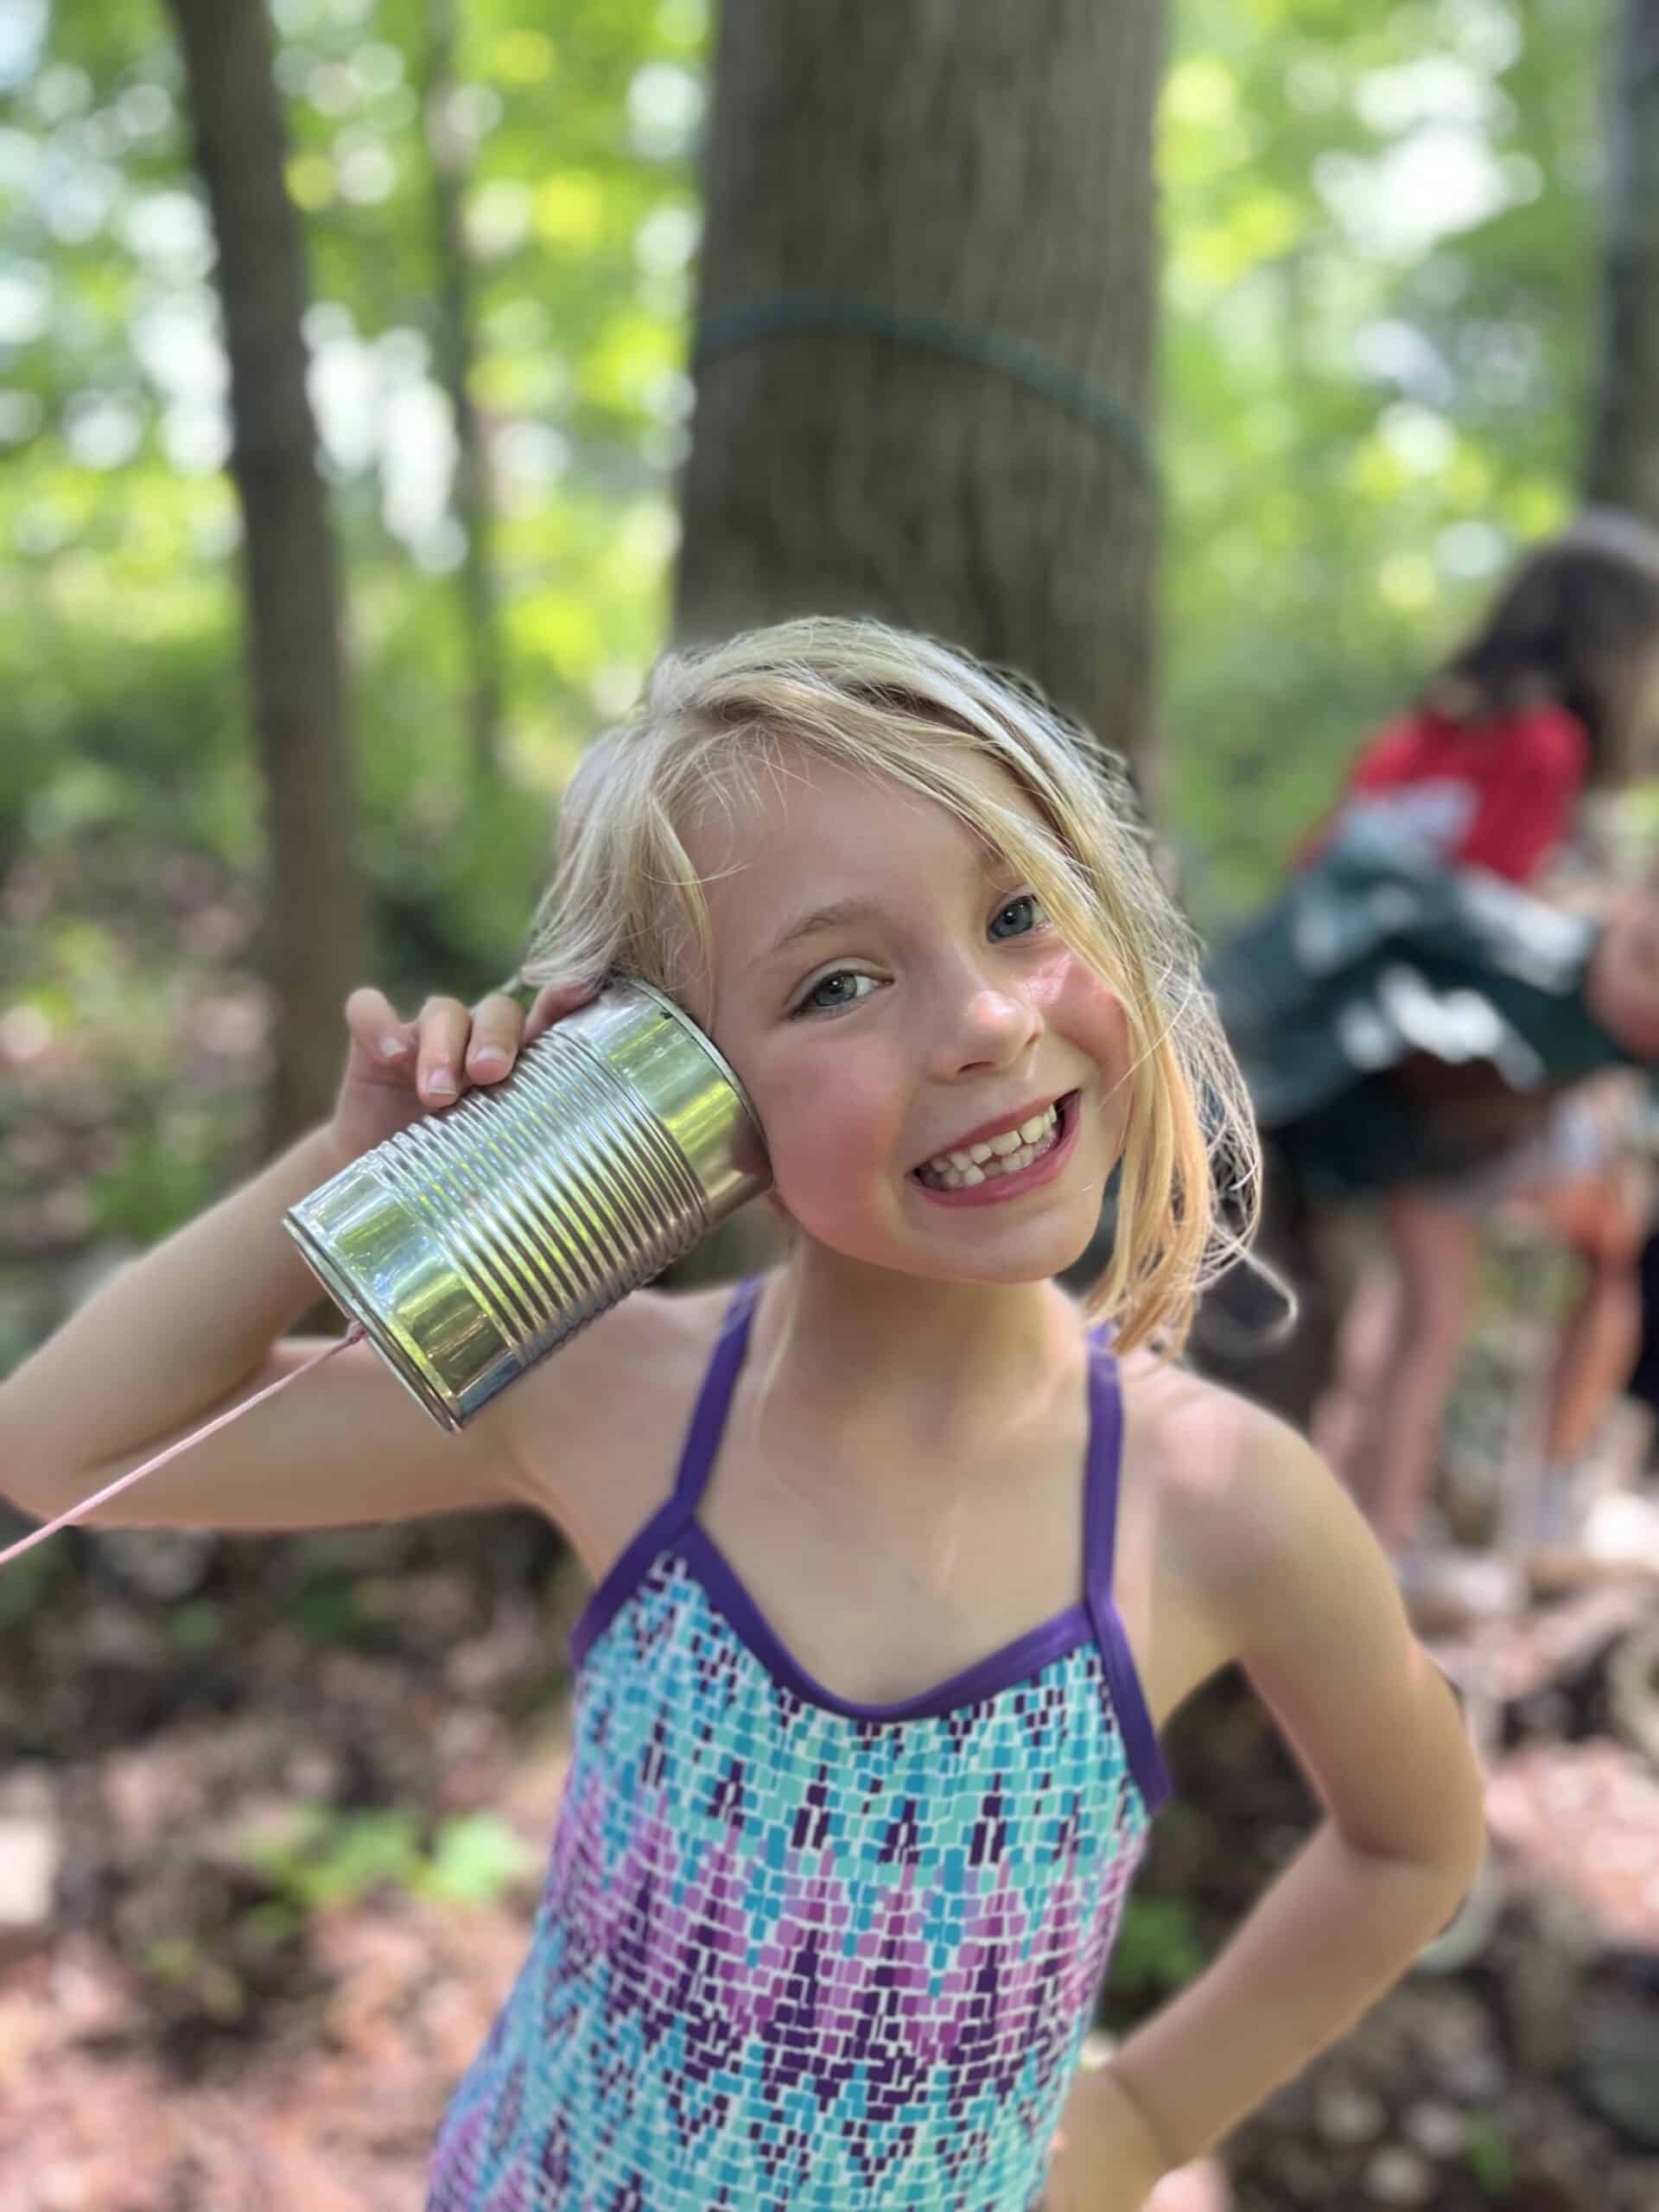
[(475, 1242)]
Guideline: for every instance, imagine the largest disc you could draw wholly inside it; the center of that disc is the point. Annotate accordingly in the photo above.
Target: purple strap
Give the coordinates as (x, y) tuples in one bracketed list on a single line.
[(1100, 1547), (673, 1522), (708, 1420)]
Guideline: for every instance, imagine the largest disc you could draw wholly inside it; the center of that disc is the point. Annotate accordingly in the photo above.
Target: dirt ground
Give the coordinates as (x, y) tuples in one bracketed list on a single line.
[(218, 2001)]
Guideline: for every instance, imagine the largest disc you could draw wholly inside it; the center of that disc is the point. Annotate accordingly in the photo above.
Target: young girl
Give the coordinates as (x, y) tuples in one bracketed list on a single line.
[(1554, 697), (901, 1557)]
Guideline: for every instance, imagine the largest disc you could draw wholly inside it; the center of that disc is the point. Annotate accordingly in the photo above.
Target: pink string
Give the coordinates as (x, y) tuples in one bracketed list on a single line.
[(353, 1335)]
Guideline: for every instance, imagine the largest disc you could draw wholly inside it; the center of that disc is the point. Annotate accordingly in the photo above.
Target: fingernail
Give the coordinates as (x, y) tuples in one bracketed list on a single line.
[(441, 1083), (489, 1056), (392, 1048)]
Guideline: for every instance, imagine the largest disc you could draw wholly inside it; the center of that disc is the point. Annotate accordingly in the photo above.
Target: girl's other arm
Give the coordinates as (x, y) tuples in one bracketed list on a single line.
[(1308, 1602), (196, 1326)]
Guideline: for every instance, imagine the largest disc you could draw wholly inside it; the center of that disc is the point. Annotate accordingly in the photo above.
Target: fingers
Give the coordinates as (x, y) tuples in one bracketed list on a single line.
[(449, 1045), (375, 1025), (446, 1028), (486, 1042), (501, 1028), (498, 1031), (552, 1003)]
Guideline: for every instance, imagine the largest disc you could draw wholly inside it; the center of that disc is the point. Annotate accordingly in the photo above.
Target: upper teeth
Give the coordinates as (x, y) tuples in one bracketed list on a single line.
[(1011, 1150)]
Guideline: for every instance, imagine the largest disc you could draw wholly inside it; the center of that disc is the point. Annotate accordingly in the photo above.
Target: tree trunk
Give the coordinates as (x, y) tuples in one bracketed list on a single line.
[(315, 944), (924, 357), (449, 152), (924, 351), (1622, 466)]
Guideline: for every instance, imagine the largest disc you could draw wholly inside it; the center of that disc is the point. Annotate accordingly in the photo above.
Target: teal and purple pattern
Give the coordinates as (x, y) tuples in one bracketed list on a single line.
[(797, 1955)]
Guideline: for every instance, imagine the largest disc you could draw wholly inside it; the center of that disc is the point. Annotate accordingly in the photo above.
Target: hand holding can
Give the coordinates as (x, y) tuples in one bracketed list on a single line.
[(470, 1243), (396, 1071)]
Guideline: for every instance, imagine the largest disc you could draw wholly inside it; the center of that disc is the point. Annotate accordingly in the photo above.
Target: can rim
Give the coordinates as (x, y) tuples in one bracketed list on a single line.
[(399, 1351), (700, 1037)]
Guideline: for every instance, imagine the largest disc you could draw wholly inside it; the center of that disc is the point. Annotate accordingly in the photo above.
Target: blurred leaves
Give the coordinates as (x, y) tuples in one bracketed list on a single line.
[(320, 1857), (124, 676), (1158, 1950), (1379, 237), (1380, 233)]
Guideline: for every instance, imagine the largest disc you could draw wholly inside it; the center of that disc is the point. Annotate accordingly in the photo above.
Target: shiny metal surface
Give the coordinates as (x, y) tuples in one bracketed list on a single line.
[(478, 1240)]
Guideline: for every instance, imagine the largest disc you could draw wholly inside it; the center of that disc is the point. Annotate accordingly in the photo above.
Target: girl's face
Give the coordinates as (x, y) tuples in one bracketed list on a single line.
[(891, 994)]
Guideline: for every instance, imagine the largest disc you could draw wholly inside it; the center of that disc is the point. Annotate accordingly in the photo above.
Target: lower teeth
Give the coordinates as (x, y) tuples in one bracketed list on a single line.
[(990, 1170)]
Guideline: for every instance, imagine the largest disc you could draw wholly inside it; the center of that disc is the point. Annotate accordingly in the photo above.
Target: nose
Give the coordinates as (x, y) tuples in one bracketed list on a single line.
[(982, 1025)]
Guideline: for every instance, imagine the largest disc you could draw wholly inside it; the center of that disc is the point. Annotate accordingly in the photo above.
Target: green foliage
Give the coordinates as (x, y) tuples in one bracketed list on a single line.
[(181, 1963), (577, 132), (1379, 235), (473, 1860), (322, 1857), (328, 1610), (335, 1858), (197, 1625), (151, 1185), (1158, 1949), (28, 1583), (1487, 2154)]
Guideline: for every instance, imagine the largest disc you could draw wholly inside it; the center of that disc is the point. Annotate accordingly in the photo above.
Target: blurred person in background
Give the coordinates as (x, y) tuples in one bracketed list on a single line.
[(1554, 699)]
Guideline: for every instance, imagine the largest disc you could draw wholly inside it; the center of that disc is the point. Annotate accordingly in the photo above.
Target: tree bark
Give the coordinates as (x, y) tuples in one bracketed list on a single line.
[(1622, 463), (315, 940), (923, 352), (923, 362)]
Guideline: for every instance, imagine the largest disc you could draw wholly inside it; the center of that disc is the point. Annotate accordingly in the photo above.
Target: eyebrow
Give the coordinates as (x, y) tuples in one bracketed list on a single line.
[(836, 917)]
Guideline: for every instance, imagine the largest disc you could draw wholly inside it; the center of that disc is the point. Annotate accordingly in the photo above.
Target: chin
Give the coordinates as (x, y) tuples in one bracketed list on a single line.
[(1031, 1259)]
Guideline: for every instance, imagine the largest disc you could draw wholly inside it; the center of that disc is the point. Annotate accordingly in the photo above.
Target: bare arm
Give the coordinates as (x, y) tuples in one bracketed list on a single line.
[(196, 1326), (1313, 1612)]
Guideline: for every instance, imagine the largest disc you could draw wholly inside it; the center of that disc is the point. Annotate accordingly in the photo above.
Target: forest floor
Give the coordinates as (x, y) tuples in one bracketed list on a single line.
[(245, 1984)]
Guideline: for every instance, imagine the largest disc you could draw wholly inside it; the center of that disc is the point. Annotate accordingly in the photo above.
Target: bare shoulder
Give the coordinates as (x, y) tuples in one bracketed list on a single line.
[(596, 1430), (1250, 1519), (1278, 1563)]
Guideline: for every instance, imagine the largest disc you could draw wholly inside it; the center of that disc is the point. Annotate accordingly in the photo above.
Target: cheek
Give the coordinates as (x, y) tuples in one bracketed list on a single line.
[(1090, 1014), (826, 1128)]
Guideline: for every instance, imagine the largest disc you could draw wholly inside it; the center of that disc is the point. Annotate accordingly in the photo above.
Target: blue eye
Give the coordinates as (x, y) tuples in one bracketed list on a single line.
[(1027, 899), (812, 1002)]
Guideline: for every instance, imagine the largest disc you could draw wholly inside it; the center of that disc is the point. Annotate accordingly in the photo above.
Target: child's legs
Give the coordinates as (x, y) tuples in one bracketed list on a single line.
[(1240, 1338), (1434, 1246), (1603, 1220), (1365, 1347)]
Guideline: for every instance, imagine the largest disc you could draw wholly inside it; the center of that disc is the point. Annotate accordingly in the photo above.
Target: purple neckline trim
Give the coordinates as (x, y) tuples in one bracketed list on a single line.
[(1008, 1667), (1015, 1662), (673, 1528)]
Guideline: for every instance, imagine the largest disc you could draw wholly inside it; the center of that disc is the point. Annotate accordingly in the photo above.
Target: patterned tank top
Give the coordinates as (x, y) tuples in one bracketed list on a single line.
[(801, 1954)]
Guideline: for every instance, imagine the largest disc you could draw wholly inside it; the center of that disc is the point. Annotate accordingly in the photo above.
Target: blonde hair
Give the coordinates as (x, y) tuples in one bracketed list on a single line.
[(625, 899)]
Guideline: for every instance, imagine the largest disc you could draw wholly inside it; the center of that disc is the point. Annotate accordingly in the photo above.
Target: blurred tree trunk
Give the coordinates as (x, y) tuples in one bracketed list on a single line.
[(315, 946), (923, 354), (448, 151), (1622, 466), (924, 360)]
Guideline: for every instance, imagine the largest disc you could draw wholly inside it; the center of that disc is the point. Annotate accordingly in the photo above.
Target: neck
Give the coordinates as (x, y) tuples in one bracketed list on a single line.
[(900, 1372)]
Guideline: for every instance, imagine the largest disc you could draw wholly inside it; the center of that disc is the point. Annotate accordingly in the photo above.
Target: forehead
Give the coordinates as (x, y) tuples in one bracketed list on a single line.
[(776, 832)]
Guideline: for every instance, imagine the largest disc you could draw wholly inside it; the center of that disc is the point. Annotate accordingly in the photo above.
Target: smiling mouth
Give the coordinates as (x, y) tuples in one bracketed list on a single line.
[(1001, 1155)]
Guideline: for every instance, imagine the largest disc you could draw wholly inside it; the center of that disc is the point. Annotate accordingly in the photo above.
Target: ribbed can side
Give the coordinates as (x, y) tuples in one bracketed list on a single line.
[(475, 1241), (553, 1202)]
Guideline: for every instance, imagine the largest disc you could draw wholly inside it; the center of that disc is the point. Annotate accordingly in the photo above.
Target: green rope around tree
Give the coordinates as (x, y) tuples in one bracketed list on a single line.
[(787, 312)]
